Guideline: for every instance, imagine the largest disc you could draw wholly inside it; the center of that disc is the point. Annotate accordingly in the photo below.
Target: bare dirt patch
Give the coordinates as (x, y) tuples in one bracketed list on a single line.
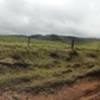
[(80, 90)]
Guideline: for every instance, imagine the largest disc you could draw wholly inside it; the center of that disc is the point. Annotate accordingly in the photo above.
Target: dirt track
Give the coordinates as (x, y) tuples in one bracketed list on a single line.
[(84, 90)]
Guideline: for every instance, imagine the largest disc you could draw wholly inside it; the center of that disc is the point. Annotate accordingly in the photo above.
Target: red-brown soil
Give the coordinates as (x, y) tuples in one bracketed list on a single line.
[(80, 90)]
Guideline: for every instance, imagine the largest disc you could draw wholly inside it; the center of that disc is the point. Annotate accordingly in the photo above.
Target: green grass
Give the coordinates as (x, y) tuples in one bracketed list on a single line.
[(45, 64)]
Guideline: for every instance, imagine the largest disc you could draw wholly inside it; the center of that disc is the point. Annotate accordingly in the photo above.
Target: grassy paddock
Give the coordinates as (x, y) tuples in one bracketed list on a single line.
[(45, 64)]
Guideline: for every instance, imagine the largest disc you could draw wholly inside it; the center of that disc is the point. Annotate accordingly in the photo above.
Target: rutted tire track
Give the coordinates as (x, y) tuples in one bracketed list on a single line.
[(80, 90)]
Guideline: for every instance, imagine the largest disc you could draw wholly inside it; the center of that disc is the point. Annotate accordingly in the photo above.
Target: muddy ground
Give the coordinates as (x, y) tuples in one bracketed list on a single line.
[(80, 90)]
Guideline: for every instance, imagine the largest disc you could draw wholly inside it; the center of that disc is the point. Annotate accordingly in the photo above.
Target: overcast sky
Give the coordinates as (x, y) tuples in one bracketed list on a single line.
[(65, 17)]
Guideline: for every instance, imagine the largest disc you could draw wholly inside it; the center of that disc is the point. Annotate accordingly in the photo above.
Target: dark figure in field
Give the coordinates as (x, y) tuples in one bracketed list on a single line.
[(72, 39), (29, 41), (72, 44)]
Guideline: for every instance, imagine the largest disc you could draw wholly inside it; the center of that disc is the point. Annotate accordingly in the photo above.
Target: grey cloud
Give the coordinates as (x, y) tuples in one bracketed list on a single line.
[(65, 17)]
